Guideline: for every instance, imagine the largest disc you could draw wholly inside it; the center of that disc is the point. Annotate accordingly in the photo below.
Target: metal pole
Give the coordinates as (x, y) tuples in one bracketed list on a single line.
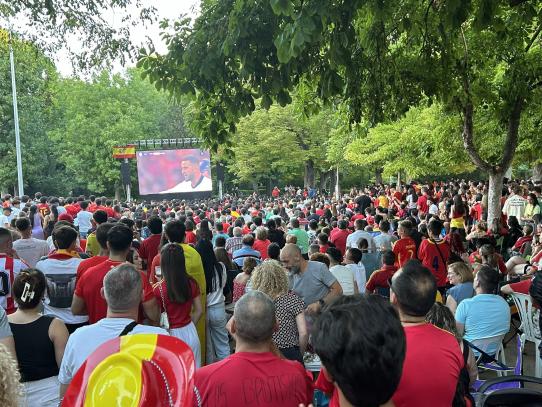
[(16, 119), (128, 187)]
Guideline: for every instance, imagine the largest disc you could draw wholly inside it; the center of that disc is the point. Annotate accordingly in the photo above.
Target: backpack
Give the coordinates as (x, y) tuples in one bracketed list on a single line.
[(60, 289)]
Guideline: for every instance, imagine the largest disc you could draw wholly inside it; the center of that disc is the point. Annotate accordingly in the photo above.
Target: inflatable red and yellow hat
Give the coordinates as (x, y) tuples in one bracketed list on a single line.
[(135, 371)]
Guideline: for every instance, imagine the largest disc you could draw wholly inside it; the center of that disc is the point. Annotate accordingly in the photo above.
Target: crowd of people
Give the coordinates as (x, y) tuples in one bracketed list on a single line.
[(386, 287)]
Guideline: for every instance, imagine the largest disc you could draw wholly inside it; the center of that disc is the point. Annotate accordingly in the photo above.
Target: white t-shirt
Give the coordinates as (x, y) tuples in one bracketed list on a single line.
[(31, 250), (85, 340), (186, 186), (217, 297), (359, 275), (5, 220), (345, 277), (514, 206), (353, 238), (66, 268), (83, 221)]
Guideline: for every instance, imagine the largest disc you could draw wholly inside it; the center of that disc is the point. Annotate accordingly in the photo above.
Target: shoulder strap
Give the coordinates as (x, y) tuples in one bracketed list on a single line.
[(439, 252), (486, 355), (128, 328)]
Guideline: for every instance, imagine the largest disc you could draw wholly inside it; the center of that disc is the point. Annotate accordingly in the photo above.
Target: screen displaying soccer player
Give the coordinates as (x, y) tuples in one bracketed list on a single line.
[(174, 171)]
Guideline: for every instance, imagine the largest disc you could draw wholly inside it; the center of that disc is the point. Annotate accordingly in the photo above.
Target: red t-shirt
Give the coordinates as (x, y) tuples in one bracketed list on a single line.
[(422, 204), (72, 210), (435, 260), (261, 246), (88, 288), (44, 209), (328, 388), (178, 314), (254, 379), (149, 249), (190, 237), (431, 369), (522, 287), (380, 278), (88, 263), (338, 238), (404, 249)]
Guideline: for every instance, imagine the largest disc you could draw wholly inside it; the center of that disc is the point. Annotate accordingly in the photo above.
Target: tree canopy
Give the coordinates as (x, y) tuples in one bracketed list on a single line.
[(82, 27)]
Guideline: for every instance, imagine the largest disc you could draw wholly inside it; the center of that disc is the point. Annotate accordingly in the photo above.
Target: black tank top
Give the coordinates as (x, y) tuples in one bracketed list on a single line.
[(35, 350)]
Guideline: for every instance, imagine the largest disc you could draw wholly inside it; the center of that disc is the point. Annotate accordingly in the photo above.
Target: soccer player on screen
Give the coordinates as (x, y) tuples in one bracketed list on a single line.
[(193, 179)]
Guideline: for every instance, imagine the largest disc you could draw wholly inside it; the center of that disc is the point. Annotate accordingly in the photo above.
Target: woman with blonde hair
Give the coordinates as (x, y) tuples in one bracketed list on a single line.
[(292, 336), (461, 277), (10, 388)]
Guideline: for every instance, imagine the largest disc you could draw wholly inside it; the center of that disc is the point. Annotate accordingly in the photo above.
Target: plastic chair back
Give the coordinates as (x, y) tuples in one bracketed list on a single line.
[(491, 345), (528, 316)]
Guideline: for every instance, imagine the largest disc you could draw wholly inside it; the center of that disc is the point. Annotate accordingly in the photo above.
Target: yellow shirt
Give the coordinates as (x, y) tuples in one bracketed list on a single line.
[(93, 247), (194, 268)]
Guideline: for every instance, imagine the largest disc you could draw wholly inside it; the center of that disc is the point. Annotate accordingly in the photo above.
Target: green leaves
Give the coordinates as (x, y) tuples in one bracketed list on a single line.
[(284, 7)]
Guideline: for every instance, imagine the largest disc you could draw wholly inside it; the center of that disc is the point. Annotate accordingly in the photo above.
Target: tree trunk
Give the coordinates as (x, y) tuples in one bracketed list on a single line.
[(537, 172), (269, 186), (378, 176), (308, 181), (494, 196)]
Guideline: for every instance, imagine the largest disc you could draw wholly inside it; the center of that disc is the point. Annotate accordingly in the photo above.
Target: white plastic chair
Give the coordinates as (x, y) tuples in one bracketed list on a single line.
[(529, 321), (486, 343)]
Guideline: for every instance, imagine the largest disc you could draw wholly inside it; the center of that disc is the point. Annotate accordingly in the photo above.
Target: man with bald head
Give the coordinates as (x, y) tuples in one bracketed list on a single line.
[(311, 280), (254, 375)]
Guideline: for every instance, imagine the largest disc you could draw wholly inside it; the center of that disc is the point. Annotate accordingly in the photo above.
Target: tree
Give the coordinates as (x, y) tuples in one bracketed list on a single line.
[(109, 111), (277, 144), (425, 142), (56, 24), (36, 79), (479, 58)]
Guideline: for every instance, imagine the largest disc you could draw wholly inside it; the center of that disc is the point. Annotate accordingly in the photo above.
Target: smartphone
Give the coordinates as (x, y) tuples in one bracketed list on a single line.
[(158, 271)]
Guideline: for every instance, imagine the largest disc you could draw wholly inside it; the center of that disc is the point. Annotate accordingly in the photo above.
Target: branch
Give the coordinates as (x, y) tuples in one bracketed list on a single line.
[(468, 141), (512, 134), (533, 38)]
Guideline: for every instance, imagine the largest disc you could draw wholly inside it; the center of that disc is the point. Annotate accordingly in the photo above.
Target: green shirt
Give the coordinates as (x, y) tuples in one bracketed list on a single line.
[(302, 239)]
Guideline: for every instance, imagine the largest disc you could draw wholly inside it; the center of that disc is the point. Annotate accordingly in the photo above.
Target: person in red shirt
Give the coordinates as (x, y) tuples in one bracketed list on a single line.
[(254, 375), (179, 297), (190, 236), (149, 247), (109, 209), (405, 248), (380, 278), (434, 253), (99, 206), (422, 202), (345, 333), (72, 209), (433, 357), (43, 207), (521, 287), (101, 237), (88, 298), (275, 192), (262, 242), (338, 236)]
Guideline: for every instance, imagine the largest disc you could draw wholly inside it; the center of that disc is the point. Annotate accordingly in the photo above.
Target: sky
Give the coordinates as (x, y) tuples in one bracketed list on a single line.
[(165, 9)]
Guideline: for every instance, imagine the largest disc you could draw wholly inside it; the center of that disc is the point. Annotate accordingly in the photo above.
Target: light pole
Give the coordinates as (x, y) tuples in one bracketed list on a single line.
[(16, 119)]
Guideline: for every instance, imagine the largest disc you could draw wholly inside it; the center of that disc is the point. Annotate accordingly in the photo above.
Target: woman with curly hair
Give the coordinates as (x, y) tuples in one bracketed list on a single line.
[(10, 388), (292, 336)]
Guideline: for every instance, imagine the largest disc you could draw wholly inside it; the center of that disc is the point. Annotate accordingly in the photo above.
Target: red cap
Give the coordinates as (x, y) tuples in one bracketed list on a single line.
[(65, 216)]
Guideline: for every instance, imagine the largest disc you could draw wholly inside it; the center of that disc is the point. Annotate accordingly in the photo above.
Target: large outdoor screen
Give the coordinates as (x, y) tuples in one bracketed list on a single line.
[(173, 171)]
